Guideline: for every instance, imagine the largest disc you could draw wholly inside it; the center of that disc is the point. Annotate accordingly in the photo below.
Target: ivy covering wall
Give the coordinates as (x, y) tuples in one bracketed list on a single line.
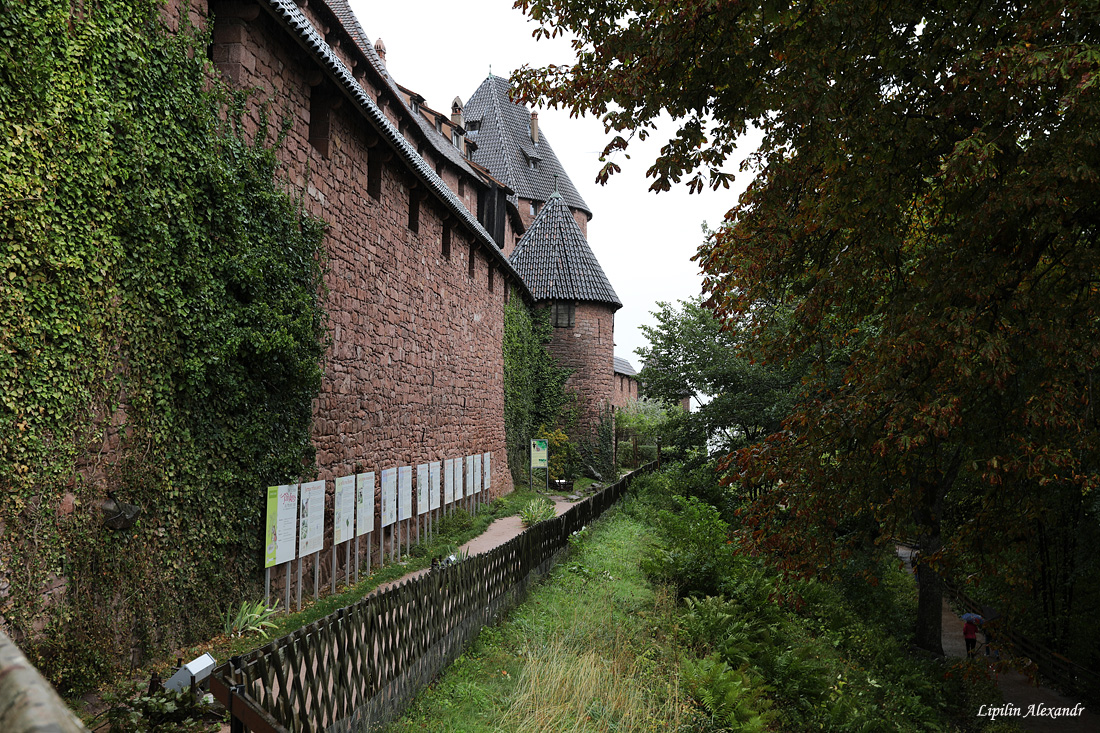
[(534, 383), (161, 332)]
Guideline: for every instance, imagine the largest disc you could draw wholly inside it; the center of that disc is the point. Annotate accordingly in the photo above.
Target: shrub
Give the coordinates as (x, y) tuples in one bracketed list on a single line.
[(537, 510)]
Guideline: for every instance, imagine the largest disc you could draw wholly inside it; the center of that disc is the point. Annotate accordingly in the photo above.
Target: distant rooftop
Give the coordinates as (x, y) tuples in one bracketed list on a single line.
[(555, 261), (622, 366), (507, 148)]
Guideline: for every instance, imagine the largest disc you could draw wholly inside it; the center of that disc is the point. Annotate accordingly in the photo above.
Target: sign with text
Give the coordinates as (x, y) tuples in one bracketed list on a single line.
[(344, 510), (282, 520), (477, 473), (488, 473), (448, 481), (389, 496), (540, 451), (458, 478), (433, 485), (312, 500), (422, 488), (470, 490), (404, 492), (364, 503)]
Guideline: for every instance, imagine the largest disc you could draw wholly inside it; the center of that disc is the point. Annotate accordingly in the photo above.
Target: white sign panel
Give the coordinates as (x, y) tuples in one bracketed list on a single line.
[(477, 473), (422, 488), (280, 532), (364, 503), (471, 488), (458, 478), (448, 481), (404, 492), (312, 535), (433, 485), (389, 496), (488, 473), (343, 528)]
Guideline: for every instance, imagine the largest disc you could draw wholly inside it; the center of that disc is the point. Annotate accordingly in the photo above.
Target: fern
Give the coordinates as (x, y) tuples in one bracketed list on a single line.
[(730, 697)]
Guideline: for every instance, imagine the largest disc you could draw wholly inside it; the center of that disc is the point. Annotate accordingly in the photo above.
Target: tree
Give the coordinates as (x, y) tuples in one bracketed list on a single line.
[(691, 354), (925, 202)]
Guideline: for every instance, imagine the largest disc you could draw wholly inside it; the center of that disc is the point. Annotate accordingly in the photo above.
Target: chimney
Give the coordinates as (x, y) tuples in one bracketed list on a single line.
[(535, 128), (380, 49), (457, 118)]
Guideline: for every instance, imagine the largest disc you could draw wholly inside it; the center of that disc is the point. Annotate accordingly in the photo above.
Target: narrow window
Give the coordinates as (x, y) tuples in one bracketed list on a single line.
[(320, 119), (374, 173), (473, 260), (492, 270), (414, 210), (446, 240), (461, 187), (563, 315)]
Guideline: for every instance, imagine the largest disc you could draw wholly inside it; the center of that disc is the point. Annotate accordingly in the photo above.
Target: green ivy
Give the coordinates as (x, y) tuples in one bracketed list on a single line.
[(161, 331), (534, 383)]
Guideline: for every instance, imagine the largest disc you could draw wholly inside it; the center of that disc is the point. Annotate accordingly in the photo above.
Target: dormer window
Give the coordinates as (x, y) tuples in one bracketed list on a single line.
[(415, 105), (473, 125), (439, 125)]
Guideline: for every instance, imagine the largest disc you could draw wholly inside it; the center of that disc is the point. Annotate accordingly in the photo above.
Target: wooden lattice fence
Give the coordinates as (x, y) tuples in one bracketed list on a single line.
[(359, 667)]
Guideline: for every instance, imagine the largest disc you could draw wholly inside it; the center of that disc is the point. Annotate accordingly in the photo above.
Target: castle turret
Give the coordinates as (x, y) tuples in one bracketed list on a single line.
[(562, 273)]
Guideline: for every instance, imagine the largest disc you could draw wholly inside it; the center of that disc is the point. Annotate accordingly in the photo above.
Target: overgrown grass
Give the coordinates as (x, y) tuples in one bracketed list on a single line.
[(593, 649)]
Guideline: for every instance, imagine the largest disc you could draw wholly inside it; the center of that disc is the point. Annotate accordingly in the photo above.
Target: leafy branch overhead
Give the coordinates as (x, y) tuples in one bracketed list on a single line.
[(924, 205)]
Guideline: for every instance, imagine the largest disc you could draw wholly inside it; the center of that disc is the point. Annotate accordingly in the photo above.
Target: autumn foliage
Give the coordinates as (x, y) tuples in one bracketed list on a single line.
[(925, 200)]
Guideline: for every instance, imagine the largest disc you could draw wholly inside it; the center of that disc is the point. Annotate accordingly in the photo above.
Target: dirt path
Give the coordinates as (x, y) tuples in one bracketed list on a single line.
[(499, 532), (1022, 697)]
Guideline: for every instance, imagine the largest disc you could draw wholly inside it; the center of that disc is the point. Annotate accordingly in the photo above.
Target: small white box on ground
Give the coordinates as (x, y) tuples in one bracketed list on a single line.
[(200, 667)]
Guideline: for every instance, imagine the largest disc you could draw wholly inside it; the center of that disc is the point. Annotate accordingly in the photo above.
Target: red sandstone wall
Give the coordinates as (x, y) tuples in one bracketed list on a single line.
[(587, 348), (414, 371), (625, 390)]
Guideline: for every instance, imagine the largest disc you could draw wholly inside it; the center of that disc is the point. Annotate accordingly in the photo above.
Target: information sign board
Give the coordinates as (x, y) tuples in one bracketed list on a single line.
[(488, 474), (404, 492), (364, 503), (343, 527), (422, 488), (448, 481), (433, 485), (312, 499), (282, 520), (540, 451), (389, 496)]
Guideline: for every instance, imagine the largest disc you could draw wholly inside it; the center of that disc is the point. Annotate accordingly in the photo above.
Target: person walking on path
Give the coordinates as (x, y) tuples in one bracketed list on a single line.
[(970, 635)]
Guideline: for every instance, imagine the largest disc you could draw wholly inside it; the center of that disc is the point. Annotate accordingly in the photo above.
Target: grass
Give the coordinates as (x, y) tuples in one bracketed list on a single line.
[(593, 649)]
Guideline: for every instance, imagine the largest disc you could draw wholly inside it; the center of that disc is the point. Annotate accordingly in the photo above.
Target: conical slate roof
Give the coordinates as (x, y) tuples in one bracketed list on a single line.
[(555, 261), (502, 130)]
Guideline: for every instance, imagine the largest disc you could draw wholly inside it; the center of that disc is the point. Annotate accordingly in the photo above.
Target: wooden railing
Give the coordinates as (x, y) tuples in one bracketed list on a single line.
[(1063, 673), (359, 667)]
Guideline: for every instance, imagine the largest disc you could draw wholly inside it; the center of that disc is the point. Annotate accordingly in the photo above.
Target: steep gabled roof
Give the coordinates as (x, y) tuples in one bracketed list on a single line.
[(555, 261), (502, 130), (622, 366), (287, 14), (440, 143)]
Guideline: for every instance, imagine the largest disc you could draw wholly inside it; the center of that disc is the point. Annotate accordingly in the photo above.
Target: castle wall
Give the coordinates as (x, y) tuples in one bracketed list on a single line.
[(625, 390), (587, 348), (414, 370)]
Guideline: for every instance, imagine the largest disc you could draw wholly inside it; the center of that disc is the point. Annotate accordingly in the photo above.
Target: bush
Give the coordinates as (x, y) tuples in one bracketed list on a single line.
[(695, 552), (537, 510)]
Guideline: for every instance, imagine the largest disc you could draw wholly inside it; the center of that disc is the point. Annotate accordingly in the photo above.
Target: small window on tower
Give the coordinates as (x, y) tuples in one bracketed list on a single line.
[(563, 315)]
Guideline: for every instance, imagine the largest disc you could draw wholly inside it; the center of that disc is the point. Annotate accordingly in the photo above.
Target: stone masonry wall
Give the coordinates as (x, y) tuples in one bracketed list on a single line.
[(587, 349), (414, 370)]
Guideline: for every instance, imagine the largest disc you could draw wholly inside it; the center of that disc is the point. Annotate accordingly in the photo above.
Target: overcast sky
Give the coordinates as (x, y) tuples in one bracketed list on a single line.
[(644, 241)]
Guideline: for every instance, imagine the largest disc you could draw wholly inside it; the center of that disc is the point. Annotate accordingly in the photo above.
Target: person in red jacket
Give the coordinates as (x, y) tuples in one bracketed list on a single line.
[(970, 635)]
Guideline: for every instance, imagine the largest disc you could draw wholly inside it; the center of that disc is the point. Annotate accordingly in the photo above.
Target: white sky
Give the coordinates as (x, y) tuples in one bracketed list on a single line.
[(644, 241)]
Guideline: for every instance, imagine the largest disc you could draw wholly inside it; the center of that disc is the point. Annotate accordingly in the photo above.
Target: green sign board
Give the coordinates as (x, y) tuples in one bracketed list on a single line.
[(539, 453)]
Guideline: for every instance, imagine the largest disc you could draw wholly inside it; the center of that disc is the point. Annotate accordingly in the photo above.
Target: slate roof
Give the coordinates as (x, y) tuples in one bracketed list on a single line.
[(555, 261), (440, 143), (622, 366), (290, 16), (504, 146)]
